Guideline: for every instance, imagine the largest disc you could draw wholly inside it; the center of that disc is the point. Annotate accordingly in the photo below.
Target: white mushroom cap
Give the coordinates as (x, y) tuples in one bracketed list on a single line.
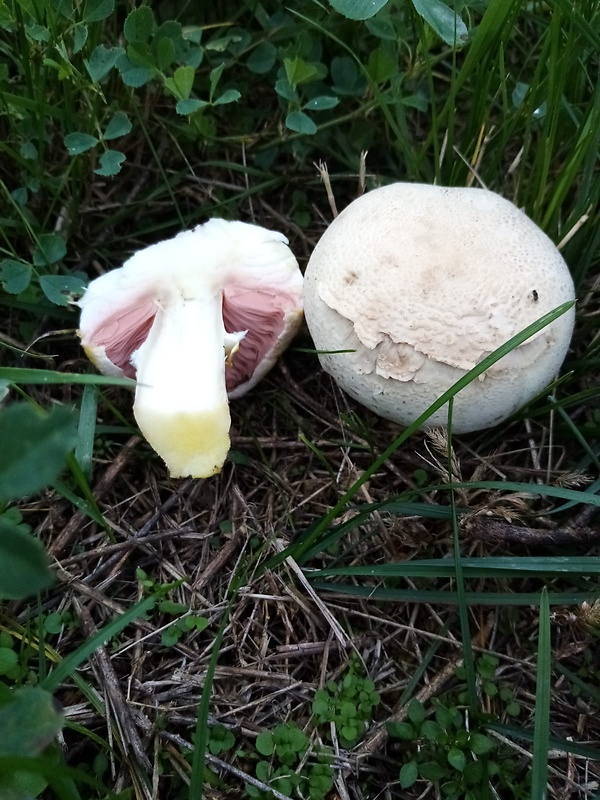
[(422, 283), (194, 319)]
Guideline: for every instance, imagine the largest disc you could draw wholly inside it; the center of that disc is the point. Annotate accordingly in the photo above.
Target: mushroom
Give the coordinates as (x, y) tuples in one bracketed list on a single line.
[(194, 319), (420, 283)]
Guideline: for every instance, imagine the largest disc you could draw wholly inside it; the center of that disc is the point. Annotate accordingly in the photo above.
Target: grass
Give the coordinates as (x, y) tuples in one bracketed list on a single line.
[(333, 548)]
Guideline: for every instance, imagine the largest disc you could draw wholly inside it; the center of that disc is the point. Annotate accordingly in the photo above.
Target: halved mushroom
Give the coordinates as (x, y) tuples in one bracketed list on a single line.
[(420, 283), (194, 319)]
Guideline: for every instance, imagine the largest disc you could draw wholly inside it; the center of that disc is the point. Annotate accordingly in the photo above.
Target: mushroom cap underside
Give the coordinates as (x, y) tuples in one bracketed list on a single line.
[(256, 276)]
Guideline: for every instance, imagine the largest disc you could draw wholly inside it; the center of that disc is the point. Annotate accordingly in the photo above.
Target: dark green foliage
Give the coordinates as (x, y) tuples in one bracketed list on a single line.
[(441, 749), (348, 703), (286, 771)]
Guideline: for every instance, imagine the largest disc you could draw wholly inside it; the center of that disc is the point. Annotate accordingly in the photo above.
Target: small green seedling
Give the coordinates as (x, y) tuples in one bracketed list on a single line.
[(288, 770), (443, 751), (349, 704)]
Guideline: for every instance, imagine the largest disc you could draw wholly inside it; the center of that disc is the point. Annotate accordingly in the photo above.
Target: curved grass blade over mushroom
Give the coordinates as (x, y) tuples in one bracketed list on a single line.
[(195, 319), (300, 549)]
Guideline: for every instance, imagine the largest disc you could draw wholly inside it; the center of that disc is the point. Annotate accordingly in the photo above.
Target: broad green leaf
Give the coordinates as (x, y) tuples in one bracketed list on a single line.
[(519, 94), (321, 103), (53, 623), (29, 151), (401, 730), (230, 96), (38, 32), (172, 607), (215, 77), (187, 107), (430, 730), (110, 163), (63, 7), (164, 53), (170, 636), (358, 9), (408, 775), (382, 29), (480, 744), (62, 290), (139, 25), (283, 89), (15, 276), (97, 10), (80, 35), (23, 563), (6, 18), (50, 248), (299, 71), (133, 76), (300, 122), (172, 31), (347, 80), (432, 771), (101, 61), (119, 125), (182, 82), (140, 56), (8, 657), (77, 143), (456, 758), (20, 195), (416, 712), (262, 58), (444, 21), (34, 447), (381, 66), (264, 743), (418, 101), (29, 722)]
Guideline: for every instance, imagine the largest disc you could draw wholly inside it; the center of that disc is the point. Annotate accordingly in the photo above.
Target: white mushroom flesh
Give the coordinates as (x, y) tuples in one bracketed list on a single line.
[(193, 319)]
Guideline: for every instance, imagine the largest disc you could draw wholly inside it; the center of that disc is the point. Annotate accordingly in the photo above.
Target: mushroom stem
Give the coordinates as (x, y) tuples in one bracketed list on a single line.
[(181, 399)]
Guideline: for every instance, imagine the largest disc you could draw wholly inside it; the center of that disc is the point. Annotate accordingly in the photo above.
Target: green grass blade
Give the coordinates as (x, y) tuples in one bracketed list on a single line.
[(450, 598), (90, 509), (541, 729), (364, 511), (473, 567), (86, 430), (299, 549), (586, 496), (73, 661), (202, 732), (47, 377), (463, 610), (554, 742)]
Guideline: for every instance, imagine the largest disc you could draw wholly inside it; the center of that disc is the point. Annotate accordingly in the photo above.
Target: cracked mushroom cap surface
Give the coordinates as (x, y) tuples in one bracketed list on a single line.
[(194, 319), (422, 283)]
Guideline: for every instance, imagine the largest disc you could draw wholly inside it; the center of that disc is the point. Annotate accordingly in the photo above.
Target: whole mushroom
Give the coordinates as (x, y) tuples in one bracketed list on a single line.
[(194, 319), (420, 283)]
